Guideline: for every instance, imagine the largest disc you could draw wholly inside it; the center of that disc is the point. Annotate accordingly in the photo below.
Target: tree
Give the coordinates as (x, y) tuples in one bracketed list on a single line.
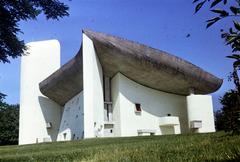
[(228, 117), (14, 11), (232, 36), (2, 96), (219, 120), (231, 99), (9, 119)]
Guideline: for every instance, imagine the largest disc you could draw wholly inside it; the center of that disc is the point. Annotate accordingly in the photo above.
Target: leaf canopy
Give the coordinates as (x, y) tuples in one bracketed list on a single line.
[(13, 11)]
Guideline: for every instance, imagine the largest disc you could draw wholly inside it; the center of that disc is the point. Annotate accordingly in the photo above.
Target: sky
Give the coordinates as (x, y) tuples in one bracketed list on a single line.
[(161, 24)]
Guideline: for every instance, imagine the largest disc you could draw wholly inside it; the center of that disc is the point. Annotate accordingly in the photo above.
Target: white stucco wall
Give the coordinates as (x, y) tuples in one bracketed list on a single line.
[(35, 109), (93, 91), (71, 127), (116, 105), (200, 107), (155, 104)]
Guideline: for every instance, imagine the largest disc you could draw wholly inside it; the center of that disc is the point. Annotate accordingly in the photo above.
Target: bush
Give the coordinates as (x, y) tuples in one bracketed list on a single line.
[(9, 119)]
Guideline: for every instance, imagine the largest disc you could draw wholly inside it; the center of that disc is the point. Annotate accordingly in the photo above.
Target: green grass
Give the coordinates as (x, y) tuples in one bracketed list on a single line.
[(191, 147)]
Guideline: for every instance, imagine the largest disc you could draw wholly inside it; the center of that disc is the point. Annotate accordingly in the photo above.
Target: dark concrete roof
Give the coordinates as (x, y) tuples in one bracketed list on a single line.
[(145, 65), (66, 82)]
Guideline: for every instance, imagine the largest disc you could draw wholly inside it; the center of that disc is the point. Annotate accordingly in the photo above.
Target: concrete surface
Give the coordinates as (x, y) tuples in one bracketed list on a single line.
[(147, 66)]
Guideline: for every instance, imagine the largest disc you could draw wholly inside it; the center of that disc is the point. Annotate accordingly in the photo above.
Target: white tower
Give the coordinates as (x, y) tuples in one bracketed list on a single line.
[(39, 117)]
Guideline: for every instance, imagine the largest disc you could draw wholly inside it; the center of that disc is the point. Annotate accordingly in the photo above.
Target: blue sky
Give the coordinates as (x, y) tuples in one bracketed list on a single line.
[(162, 24)]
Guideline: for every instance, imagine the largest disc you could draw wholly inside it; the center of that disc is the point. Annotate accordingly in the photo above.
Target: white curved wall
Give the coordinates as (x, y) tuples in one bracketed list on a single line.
[(93, 91), (71, 127), (200, 108), (155, 104), (36, 109)]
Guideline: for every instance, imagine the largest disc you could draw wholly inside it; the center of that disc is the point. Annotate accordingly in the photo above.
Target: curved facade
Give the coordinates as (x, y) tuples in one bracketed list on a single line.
[(155, 105), (112, 87), (147, 66)]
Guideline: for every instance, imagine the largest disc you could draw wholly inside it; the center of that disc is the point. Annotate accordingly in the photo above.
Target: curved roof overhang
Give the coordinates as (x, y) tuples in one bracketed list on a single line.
[(145, 65), (66, 82)]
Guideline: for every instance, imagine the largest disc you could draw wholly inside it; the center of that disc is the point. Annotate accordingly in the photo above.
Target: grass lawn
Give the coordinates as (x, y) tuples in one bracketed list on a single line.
[(191, 147)]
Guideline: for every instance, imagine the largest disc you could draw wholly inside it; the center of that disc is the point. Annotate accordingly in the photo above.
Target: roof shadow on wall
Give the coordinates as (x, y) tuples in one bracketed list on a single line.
[(52, 114)]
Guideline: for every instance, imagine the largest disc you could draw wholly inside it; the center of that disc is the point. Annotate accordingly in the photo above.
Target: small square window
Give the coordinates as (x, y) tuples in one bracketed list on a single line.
[(138, 107)]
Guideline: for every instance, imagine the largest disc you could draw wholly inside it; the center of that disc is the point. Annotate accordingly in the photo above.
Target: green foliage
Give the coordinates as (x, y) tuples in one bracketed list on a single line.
[(219, 120), (212, 21), (222, 13), (199, 5), (169, 148), (13, 11), (232, 37), (234, 74), (2, 96), (230, 113), (215, 2), (9, 117), (235, 10), (230, 101)]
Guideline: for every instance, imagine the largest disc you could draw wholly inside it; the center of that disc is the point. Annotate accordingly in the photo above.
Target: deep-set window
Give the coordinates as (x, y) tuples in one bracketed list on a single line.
[(64, 135), (138, 107)]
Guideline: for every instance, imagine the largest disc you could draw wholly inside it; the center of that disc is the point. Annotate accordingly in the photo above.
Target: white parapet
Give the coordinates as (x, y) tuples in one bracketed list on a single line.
[(169, 121), (169, 125), (42, 59), (200, 113)]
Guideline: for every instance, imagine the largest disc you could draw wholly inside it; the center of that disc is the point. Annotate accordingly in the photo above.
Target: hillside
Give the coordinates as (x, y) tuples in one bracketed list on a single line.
[(191, 147)]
